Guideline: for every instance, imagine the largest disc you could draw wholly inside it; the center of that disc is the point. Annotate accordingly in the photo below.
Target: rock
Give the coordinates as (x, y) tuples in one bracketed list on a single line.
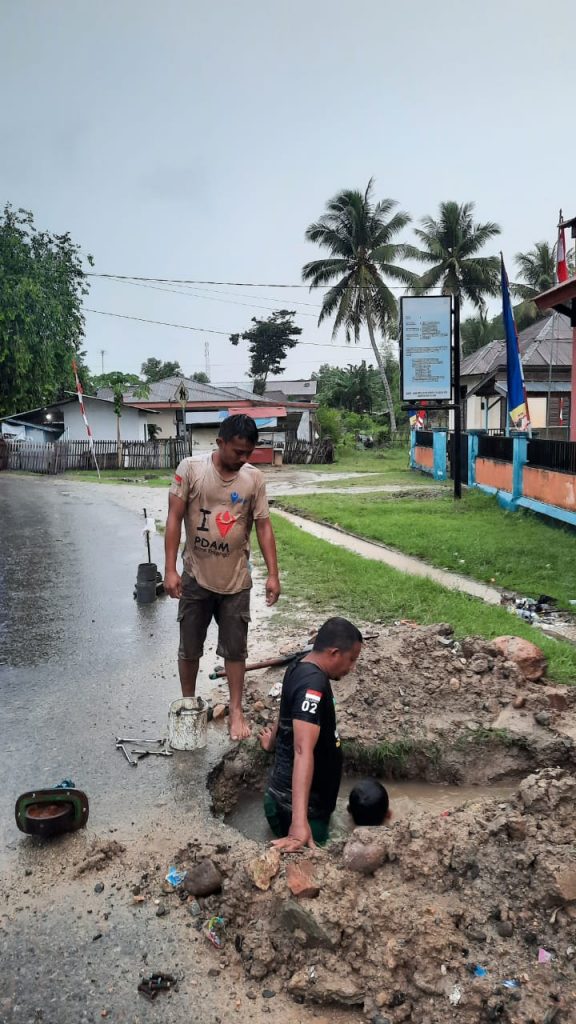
[(136, 890), (475, 935), (505, 929), (99, 887), (543, 718), (294, 916), (259, 705), (301, 879), (527, 656), (213, 972), (162, 910), (564, 880), (519, 702), (268, 993), (203, 879), (251, 994), (218, 712), (558, 700), (363, 857), (328, 987), (261, 870), (479, 665)]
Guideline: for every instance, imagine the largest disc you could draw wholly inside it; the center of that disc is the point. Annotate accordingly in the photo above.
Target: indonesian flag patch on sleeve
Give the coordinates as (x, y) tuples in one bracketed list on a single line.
[(311, 701), (177, 479)]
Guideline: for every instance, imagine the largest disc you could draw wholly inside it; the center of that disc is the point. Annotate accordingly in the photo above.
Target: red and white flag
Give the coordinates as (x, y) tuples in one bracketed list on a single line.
[(561, 261), (80, 393)]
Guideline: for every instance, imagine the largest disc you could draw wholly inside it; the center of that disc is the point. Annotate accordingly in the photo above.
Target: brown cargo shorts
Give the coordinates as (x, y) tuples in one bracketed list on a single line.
[(196, 609)]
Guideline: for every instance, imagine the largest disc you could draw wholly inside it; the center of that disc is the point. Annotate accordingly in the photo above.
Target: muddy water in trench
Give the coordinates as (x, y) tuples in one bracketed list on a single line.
[(406, 800)]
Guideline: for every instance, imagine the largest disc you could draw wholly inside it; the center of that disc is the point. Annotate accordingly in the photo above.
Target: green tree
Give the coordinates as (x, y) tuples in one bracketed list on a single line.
[(200, 377), (476, 332), (154, 369), (329, 423), (359, 236), (41, 323), (537, 267), (269, 341), (451, 244), (114, 379)]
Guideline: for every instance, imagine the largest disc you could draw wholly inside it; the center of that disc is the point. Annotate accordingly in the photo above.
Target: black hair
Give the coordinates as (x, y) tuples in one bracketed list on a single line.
[(239, 425), (368, 802), (338, 633)]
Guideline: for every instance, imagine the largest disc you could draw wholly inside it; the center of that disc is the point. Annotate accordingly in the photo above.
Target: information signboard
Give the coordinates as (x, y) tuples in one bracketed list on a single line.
[(426, 347)]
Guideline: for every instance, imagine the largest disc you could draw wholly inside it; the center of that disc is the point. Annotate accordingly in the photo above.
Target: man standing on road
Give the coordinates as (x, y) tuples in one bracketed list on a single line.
[(219, 497), (305, 778)]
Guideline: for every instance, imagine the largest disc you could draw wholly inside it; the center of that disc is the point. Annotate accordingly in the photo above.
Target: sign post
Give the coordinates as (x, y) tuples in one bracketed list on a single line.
[(430, 360)]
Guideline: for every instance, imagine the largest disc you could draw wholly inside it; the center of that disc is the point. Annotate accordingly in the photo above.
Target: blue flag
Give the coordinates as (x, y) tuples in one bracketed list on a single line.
[(517, 401)]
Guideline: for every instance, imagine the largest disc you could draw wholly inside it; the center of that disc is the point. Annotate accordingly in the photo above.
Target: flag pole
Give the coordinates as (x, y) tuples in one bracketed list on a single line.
[(80, 392), (457, 407)]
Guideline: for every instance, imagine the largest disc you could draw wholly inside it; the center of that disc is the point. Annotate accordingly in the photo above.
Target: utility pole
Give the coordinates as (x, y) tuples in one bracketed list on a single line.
[(102, 354), (207, 358)]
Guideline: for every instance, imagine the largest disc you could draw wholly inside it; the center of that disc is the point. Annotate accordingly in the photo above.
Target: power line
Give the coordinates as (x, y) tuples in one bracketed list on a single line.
[(196, 295), (229, 284), (207, 330), (210, 294)]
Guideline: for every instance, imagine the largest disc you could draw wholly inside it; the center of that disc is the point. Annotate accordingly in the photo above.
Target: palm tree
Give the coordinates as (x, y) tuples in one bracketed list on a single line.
[(451, 244), (358, 234), (538, 269)]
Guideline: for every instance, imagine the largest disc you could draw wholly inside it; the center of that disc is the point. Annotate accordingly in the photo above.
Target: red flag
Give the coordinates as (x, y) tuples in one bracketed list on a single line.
[(561, 262)]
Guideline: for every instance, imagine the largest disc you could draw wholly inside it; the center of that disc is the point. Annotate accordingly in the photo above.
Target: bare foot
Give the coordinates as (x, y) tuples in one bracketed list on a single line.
[(267, 739), (239, 728)]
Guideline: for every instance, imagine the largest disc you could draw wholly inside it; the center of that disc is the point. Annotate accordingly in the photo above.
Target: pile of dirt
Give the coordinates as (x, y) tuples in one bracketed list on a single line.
[(421, 705), (471, 914)]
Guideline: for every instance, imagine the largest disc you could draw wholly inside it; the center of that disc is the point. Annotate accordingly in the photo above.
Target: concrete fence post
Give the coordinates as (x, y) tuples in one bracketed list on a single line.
[(519, 460), (439, 440), (472, 456), (412, 449)]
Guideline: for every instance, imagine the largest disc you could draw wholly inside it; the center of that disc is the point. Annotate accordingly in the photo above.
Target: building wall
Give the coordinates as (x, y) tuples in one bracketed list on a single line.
[(552, 488), (102, 420), (166, 419)]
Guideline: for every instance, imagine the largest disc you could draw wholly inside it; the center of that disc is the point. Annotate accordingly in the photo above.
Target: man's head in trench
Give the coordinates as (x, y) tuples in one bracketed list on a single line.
[(368, 803)]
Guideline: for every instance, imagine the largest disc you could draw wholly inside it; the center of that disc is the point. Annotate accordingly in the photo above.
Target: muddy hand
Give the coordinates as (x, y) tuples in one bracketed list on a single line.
[(295, 840), (173, 584), (272, 590)]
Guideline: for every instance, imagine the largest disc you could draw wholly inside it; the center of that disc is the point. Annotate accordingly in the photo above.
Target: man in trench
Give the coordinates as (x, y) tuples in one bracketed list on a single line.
[(219, 497), (305, 778)]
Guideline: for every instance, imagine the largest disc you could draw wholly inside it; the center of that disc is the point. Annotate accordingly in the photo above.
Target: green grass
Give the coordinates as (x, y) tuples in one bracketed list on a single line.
[(514, 550), (149, 477), (320, 580)]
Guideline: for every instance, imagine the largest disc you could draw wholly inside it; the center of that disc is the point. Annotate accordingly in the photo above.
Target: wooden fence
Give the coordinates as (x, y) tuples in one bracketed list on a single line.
[(303, 452), (35, 457)]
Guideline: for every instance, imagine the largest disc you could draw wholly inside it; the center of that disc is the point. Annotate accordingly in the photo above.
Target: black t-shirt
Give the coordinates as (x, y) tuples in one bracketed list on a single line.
[(307, 696)]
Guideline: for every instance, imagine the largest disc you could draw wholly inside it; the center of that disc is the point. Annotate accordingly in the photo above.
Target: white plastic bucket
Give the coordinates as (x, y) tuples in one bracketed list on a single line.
[(188, 723)]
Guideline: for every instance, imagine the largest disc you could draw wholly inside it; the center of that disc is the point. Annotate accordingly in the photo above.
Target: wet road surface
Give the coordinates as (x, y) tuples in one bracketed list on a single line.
[(81, 661)]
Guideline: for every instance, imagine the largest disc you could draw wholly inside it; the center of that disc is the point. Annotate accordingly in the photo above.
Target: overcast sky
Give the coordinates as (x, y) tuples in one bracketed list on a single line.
[(192, 140)]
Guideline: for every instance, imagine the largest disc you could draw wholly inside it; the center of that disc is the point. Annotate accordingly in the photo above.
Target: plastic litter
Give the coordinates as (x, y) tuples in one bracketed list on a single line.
[(455, 995), (275, 690), (511, 983), (544, 957), (175, 877), (65, 784), (214, 930), (480, 972)]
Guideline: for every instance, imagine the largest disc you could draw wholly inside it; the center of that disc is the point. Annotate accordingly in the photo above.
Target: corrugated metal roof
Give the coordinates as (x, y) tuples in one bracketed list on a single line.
[(544, 342), (166, 390)]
